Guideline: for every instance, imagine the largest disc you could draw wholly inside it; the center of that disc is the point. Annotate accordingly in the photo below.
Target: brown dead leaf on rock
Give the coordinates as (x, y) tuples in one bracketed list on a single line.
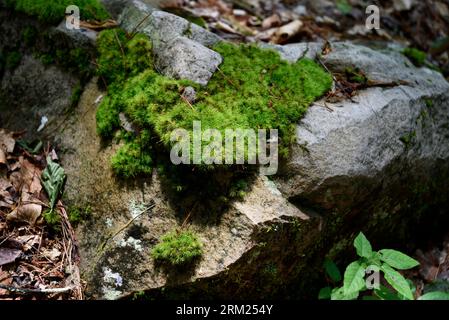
[(7, 141), (8, 255)]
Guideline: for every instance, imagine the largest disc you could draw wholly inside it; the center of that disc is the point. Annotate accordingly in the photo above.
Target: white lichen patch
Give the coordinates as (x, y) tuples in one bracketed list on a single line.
[(135, 209), (112, 280), (109, 222), (136, 244)]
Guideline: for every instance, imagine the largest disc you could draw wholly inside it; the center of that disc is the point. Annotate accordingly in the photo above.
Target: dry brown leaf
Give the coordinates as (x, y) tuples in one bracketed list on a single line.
[(8, 255), (29, 211), (7, 142), (286, 32), (97, 26), (28, 241), (2, 156), (52, 254), (271, 22)]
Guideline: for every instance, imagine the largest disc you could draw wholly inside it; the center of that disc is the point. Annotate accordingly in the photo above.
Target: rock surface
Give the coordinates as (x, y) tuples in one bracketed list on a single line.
[(181, 48), (407, 123)]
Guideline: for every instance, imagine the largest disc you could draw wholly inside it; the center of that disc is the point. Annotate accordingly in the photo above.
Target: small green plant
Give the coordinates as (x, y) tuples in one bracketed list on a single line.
[(53, 180), (354, 282), (385, 261), (178, 248)]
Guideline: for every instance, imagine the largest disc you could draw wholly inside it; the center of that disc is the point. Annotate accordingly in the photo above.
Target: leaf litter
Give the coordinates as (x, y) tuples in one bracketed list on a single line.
[(36, 262)]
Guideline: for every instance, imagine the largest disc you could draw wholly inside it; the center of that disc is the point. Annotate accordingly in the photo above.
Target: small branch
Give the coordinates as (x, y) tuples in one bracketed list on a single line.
[(23, 290)]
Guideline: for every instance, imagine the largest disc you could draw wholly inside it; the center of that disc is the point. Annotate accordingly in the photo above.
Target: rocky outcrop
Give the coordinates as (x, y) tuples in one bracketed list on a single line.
[(339, 144)]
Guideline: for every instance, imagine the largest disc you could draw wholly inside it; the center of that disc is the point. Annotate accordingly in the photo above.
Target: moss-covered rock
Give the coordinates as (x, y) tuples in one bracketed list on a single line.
[(254, 89)]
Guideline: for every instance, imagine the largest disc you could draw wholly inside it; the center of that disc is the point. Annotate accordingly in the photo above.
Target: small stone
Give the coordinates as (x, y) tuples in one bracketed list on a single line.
[(189, 94)]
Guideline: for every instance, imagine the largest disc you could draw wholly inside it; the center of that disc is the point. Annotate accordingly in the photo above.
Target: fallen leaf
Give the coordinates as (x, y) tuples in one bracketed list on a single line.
[(271, 22), (8, 255), (97, 26), (2, 156), (28, 241), (52, 254), (27, 213), (284, 33), (7, 142)]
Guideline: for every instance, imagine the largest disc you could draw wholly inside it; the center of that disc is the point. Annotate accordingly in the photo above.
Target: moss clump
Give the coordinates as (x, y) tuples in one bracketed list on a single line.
[(254, 89), (29, 35), (75, 214), (53, 11), (416, 56), (178, 248), (131, 160), (76, 95), (13, 59), (356, 76)]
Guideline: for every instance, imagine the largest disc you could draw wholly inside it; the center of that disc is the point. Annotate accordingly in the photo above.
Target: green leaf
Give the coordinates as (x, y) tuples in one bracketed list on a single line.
[(354, 278), (53, 179), (325, 293), (397, 259), (339, 294), (363, 246), (385, 293), (436, 295), (332, 270), (397, 281)]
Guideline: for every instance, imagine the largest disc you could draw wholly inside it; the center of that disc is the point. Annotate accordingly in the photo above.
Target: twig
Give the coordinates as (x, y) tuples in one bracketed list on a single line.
[(134, 31), (23, 290), (227, 78), (188, 102), (188, 216)]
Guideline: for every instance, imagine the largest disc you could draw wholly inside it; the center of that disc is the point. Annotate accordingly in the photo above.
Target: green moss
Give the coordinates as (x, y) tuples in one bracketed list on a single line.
[(53, 11), (76, 95), (75, 214), (428, 102), (29, 35), (407, 139), (12, 60), (178, 248), (254, 89), (416, 56), (131, 160), (78, 215), (356, 76)]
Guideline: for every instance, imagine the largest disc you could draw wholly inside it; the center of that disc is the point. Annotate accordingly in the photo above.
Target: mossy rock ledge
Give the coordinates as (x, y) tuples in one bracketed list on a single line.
[(378, 163)]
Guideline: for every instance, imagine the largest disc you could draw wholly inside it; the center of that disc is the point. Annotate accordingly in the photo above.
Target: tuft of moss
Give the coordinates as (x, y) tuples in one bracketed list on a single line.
[(53, 11), (29, 35), (131, 160), (75, 214), (76, 95), (356, 76), (254, 89), (178, 248), (13, 59), (416, 56)]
